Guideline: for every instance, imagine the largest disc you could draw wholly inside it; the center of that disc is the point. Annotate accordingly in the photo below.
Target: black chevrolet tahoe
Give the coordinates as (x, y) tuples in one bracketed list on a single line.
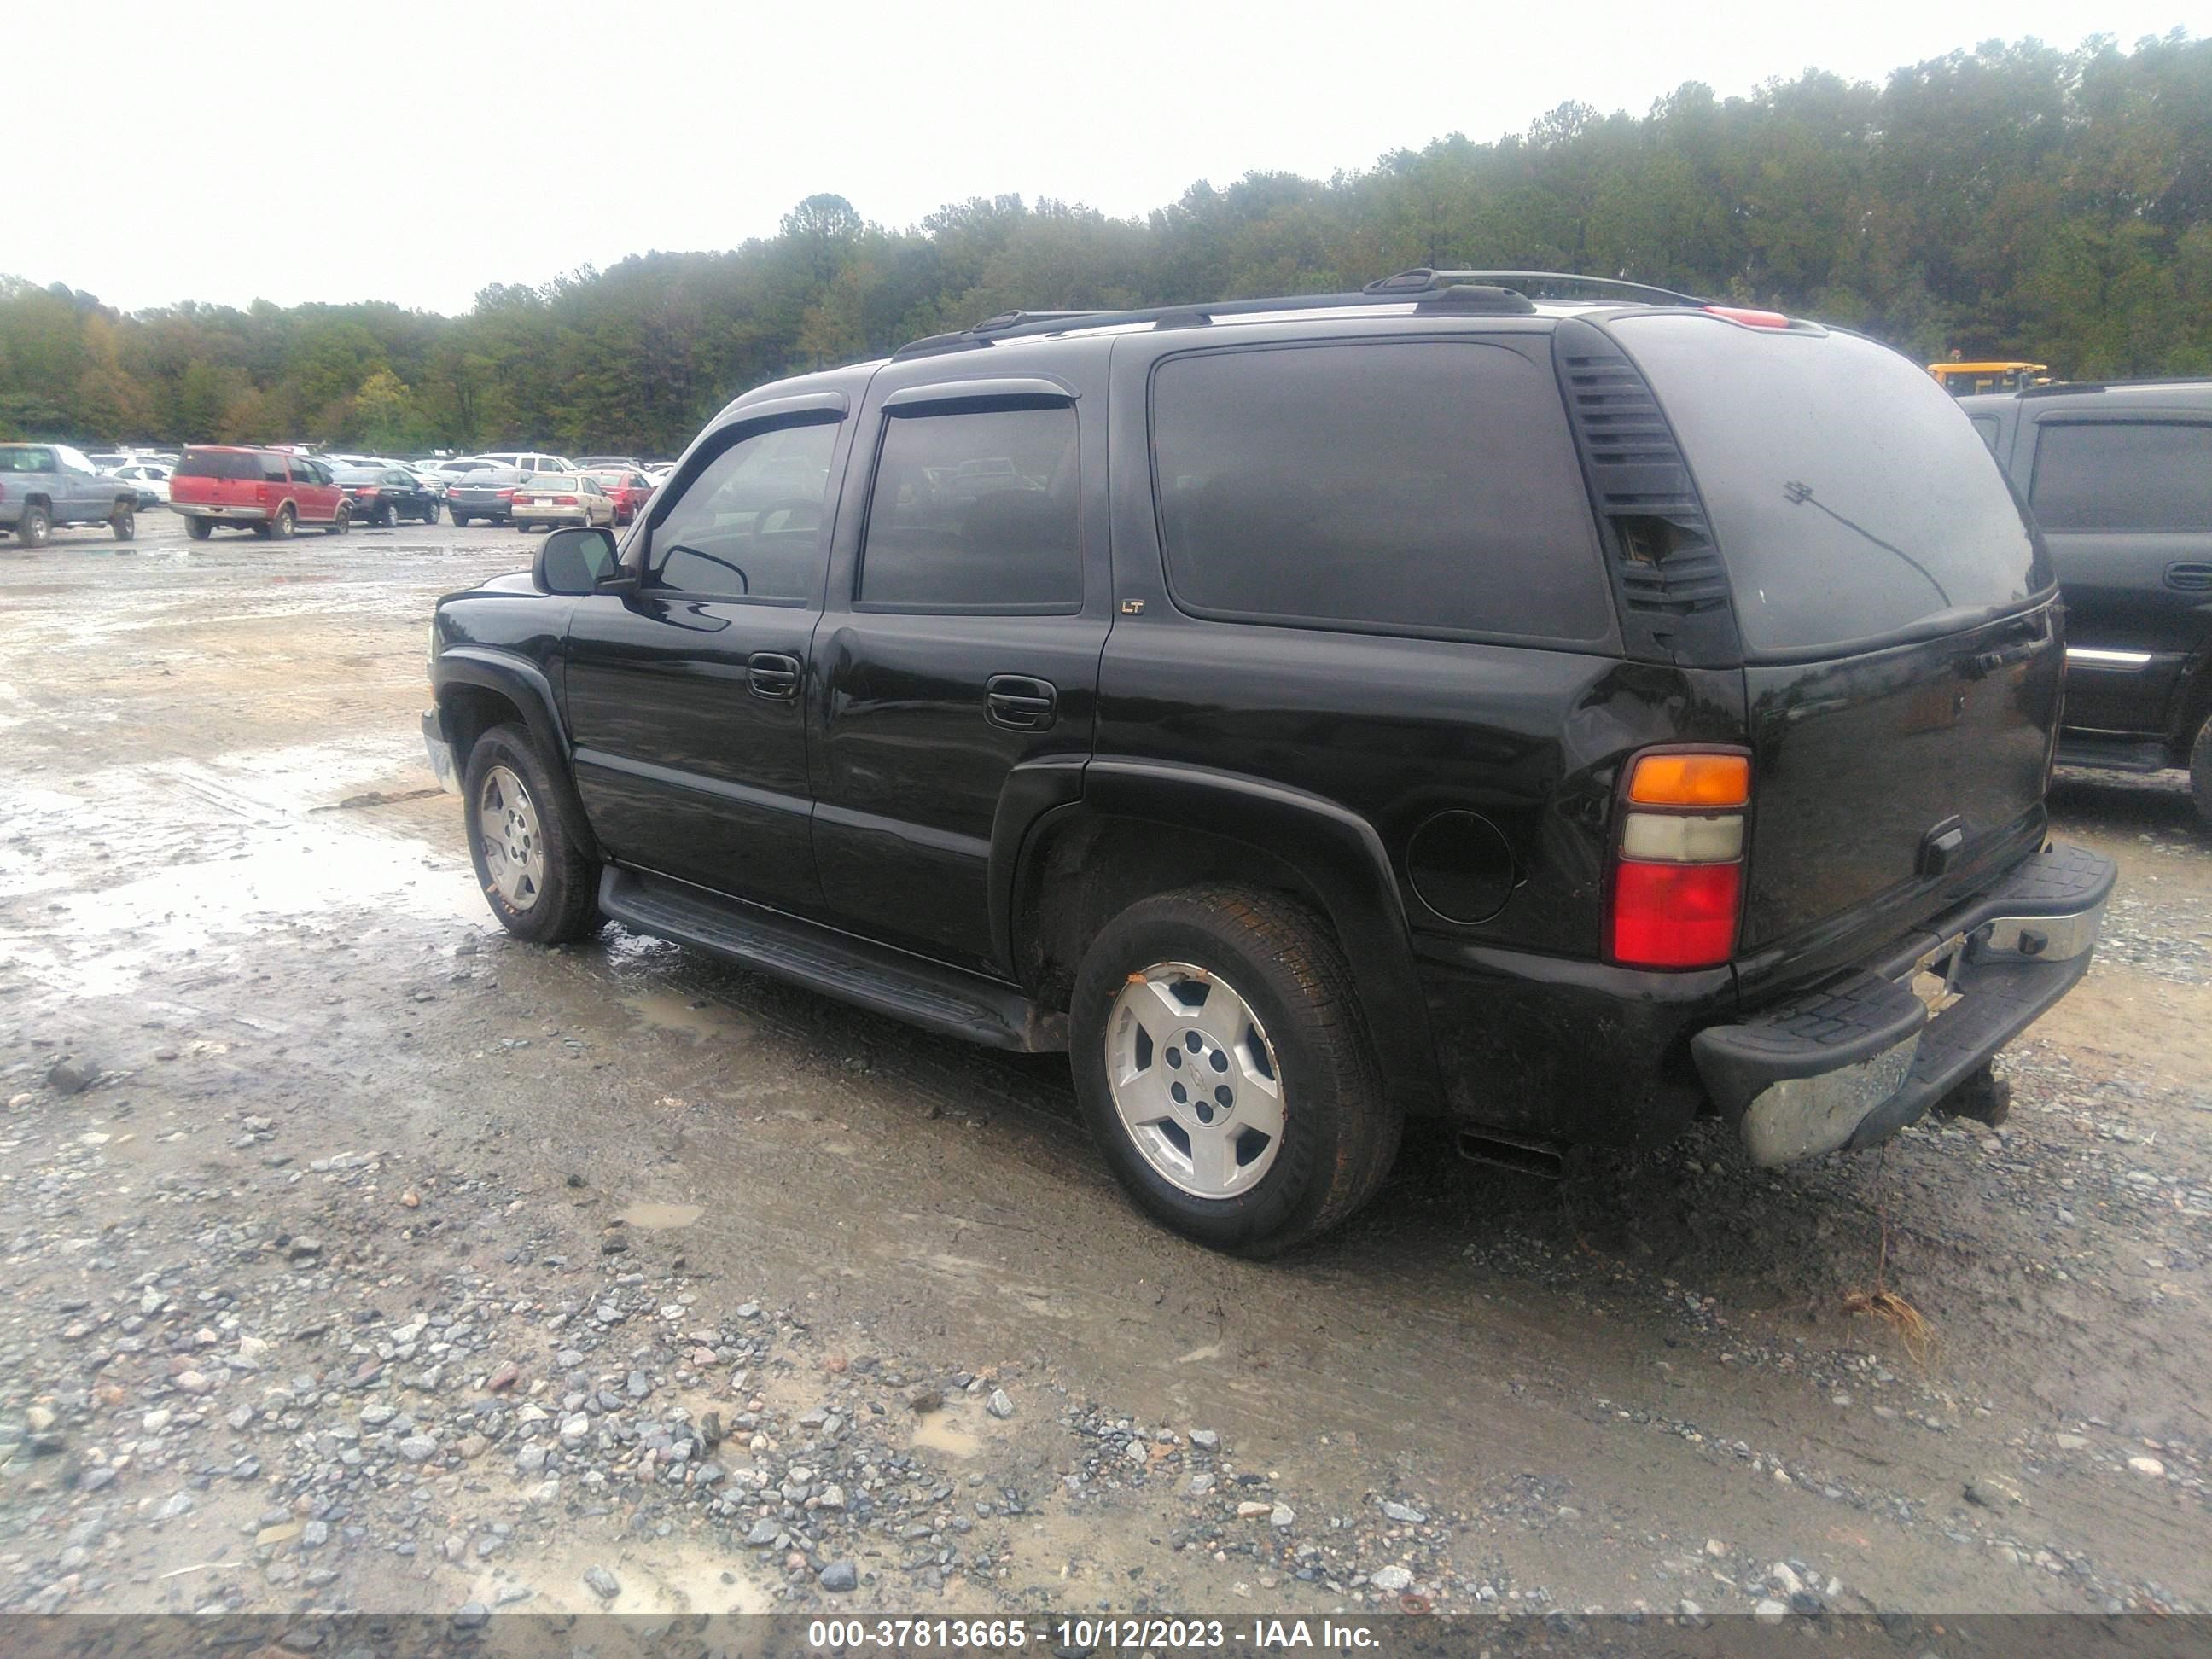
[(1565, 708), (2119, 478)]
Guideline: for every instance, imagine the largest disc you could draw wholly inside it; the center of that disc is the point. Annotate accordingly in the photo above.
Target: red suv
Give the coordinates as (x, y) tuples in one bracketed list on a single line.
[(267, 490)]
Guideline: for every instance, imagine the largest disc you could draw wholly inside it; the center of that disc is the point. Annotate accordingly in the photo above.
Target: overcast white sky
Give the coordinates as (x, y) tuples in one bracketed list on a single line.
[(227, 151)]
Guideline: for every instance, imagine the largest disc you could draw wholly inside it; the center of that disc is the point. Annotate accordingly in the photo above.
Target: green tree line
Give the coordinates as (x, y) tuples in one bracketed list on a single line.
[(2014, 201)]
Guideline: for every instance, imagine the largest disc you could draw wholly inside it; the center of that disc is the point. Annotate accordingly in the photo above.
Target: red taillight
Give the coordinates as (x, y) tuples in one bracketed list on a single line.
[(1749, 317), (1675, 915), (564, 500), (1678, 860), (507, 495)]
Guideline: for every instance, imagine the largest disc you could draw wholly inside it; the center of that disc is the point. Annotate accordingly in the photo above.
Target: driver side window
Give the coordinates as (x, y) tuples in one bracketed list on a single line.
[(750, 525)]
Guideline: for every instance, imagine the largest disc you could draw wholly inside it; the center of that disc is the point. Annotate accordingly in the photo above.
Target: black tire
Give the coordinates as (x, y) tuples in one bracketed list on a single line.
[(124, 522), (1340, 1130), (2200, 772), (565, 904), (343, 524), (385, 516), (36, 526), (460, 521), (430, 514), (282, 526), (198, 528)]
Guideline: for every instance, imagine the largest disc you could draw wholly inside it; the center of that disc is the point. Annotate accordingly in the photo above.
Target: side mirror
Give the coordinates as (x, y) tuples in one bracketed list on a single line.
[(575, 560)]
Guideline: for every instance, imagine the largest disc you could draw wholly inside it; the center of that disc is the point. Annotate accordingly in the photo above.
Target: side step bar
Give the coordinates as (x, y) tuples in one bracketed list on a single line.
[(2109, 753), (927, 993)]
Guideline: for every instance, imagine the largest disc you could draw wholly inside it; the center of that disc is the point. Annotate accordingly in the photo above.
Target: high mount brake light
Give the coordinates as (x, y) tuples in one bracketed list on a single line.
[(1677, 890), (1749, 317)]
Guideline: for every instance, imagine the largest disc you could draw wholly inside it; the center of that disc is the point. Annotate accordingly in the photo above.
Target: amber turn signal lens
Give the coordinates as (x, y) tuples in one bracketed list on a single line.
[(1691, 781)]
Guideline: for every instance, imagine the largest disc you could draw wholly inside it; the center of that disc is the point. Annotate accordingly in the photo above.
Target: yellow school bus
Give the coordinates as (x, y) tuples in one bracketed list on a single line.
[(1963, 379)]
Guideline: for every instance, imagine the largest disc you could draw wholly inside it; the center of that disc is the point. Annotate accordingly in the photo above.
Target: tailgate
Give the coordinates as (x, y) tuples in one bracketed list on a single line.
[(1902, 658), (1901, 775)]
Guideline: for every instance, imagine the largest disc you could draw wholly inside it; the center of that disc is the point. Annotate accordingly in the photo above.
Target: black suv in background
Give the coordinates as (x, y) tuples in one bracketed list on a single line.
[(2119, 476), (1560, 706)]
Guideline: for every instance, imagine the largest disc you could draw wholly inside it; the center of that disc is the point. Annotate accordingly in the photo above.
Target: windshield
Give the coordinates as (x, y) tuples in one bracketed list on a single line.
[(1851, 499)]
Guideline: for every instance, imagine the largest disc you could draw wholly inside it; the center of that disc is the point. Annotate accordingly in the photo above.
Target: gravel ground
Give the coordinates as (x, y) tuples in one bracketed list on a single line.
[(360, 1259)]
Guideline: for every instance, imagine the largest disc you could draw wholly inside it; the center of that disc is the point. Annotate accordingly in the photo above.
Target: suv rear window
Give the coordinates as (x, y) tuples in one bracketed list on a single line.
[(1421, 486), (219, 464), (2143, 476), (1851, 498)]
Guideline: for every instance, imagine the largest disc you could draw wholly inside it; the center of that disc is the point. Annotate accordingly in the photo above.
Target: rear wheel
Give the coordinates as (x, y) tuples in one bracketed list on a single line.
[(430, 514), (124, 523), (198, 529), (1226, 1071), (36, 525), (385, 516), (284, 523), (534, 876), (460, 521)]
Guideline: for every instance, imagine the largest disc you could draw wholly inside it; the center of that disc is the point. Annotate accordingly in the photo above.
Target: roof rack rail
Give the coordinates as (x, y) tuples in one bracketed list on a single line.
[(2055, 387), (1431, 293), (1551, 283)]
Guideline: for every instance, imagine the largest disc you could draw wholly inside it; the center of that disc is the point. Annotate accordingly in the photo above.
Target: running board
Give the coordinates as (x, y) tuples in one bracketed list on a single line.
[(873, 976), (2111, 753)]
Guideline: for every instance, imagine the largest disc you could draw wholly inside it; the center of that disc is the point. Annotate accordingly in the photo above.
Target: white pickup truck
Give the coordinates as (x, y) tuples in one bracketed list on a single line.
[(42, 485)]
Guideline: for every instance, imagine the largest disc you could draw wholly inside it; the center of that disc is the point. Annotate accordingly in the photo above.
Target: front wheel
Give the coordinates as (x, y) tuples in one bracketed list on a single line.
[(124, 523), (1225, 1068), (534, 876), (430, 514), (343, 523)]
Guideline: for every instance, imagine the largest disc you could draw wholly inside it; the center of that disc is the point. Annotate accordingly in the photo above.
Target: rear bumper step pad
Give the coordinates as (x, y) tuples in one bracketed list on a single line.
[(1853, 1063)]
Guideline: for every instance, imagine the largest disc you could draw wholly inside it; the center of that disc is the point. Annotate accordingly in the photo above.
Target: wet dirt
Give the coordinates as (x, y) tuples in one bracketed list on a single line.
[(221, 872)]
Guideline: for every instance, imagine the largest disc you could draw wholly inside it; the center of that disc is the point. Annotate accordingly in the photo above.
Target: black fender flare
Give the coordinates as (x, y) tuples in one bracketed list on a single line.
[(1333, 849), (523, 684)]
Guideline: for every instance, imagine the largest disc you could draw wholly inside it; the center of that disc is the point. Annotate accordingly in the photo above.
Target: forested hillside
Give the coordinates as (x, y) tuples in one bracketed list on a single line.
[(2014, 201)]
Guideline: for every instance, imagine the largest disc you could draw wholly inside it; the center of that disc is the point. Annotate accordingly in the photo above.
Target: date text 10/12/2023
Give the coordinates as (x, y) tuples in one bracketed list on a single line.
[(1085, 1635)]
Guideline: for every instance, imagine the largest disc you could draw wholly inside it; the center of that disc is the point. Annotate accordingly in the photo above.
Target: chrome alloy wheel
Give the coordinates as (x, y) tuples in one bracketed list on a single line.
[(1194, 1080), (506, 829)]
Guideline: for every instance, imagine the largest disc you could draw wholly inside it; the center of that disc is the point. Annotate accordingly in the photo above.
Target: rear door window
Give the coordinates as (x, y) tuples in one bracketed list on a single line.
[(1851, 498), (2141, 475), (272, 470), (1420, 486), (974, 513)]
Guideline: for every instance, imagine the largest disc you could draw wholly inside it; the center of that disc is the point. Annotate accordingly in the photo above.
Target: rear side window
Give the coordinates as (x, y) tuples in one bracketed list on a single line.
[(974, 513), (1851, 498), (218, 464), (2125, 475), (1424, 486), (1987, 426), (26, 460), (272, 470)]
